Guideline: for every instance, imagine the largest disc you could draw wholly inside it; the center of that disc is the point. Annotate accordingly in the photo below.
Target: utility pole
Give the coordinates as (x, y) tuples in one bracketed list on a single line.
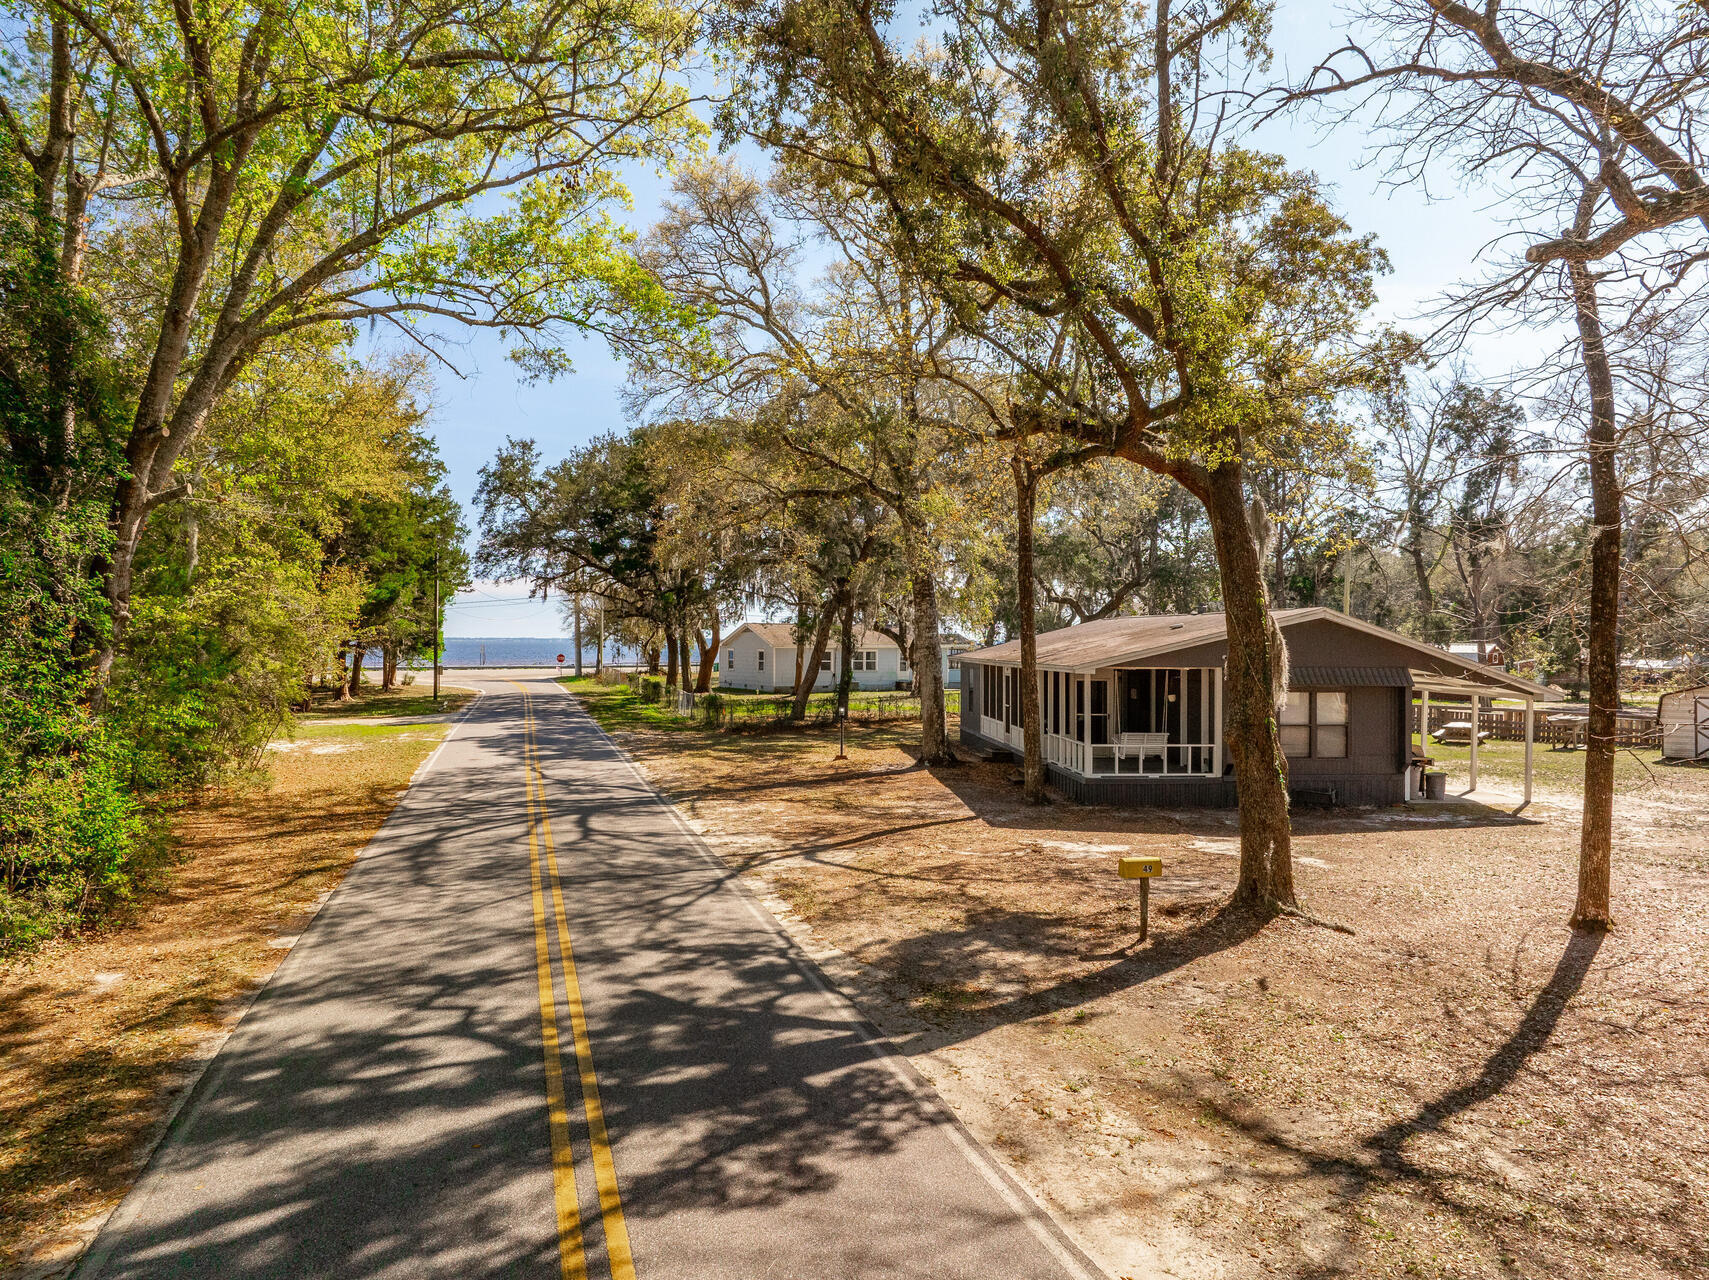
[(578, 601), (435, 624)]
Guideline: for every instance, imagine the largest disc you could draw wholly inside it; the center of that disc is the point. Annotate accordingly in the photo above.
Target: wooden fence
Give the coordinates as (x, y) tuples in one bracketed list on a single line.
[(1507, 724)]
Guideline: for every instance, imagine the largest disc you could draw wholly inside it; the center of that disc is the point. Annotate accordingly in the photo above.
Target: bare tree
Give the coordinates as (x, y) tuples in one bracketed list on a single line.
[(1584, 115)]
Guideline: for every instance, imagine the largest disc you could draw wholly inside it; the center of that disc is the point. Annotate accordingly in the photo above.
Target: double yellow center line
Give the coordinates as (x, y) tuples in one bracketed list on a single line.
[(543, 872)]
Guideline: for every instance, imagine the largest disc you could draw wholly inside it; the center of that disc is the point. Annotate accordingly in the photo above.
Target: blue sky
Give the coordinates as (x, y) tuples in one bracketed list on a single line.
[(1431, 244)]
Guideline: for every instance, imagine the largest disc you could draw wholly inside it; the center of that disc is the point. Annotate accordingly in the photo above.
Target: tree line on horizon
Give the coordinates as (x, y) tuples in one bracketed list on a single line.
[(1021, 324)]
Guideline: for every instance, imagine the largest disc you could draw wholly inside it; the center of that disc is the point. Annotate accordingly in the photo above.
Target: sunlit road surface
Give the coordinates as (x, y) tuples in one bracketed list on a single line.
[(539, 1031)]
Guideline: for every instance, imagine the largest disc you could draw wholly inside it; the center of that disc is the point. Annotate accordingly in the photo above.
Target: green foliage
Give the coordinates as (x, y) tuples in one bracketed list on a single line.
[(711, 707), (652, 689), (69, 826), (210, 676)]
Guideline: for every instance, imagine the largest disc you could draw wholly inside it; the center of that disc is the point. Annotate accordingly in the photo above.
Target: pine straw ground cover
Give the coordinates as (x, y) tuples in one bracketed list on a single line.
[(1461, 1088), (98, 1034)]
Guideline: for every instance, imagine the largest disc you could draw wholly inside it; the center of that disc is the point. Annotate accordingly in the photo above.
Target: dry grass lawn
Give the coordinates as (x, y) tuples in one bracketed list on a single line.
[(99, 1034), (1461, 1088)]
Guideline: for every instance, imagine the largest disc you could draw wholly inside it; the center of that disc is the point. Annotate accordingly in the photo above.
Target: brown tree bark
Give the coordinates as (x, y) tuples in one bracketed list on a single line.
[(670, 656), (928, 654), (1257, 676), (821, 641), (1026, 606), (354, 683), (708, 654), (1593, 908)]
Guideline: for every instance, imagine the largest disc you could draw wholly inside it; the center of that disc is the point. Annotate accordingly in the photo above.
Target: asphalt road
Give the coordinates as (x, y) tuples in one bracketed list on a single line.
[(539, 1031)]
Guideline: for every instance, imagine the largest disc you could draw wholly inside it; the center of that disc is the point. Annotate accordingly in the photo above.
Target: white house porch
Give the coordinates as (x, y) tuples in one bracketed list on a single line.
[(1133, 722)]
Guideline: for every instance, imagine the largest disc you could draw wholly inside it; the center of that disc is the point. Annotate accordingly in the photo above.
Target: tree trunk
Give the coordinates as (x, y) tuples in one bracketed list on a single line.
[(578, 636), (685, 656), (670, 655), (1026, 606), (1257, 677), (708, 655), (821, 640), (355, 683), (652, 659), (388, 666), (1596, 838), (928, 645), (846, 681)]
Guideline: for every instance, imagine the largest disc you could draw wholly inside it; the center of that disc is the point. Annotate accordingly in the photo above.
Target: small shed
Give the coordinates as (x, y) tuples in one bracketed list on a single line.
[(1683, 717)]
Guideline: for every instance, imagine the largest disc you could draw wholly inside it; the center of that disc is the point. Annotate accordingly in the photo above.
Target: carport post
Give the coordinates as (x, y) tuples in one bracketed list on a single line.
[(1474, 770), (1530, 738), (1424, 724)]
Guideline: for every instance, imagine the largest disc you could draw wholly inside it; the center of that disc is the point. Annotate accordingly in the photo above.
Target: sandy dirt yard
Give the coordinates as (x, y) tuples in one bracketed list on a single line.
[(1459, 1088)]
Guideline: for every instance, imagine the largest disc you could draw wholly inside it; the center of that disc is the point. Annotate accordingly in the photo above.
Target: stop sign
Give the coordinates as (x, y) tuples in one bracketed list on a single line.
[(560, 657)]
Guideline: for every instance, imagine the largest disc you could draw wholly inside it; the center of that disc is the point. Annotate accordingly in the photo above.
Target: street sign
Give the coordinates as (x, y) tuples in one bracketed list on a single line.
[(560, 659)]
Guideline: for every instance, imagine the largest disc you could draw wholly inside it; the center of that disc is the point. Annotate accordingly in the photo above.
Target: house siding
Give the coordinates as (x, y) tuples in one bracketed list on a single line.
[(1676, 716), (743, 671), (1373, 772)]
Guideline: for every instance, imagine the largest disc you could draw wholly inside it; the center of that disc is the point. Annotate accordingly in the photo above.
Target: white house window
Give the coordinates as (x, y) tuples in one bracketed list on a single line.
[(1315, 724), (759, 659), (902, 661), (729, 659), (866, 660), (824, 662)]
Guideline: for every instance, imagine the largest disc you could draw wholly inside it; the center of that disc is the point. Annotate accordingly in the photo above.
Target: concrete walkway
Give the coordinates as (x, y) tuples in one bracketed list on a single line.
[(537, 1032)]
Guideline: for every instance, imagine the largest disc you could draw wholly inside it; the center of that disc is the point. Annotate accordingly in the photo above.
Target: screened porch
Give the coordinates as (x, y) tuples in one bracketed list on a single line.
[(1117, 722)]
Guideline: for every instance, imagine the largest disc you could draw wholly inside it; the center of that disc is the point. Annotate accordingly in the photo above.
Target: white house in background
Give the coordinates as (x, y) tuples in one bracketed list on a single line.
[(761, 655)]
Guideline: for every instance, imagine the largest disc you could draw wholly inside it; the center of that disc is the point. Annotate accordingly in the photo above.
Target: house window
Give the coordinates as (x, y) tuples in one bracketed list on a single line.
[(759, 659), (1331, 720), (901, 661), (825, 661), (729, 659), (1315, 725), (866, 660), (988, 692)]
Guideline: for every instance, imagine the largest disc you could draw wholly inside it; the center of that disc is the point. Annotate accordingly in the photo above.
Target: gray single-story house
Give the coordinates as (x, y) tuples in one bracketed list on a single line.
[(1133, 709)]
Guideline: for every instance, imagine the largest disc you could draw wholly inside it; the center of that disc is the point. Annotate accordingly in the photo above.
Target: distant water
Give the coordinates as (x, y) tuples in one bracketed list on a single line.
[(514, 651)]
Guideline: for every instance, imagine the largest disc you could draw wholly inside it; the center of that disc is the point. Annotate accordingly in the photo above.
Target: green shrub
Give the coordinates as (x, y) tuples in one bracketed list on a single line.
[(711, 708), (68, 824), (652, 689)]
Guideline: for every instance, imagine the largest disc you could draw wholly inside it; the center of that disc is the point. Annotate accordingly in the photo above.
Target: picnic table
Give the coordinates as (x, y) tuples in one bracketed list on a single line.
[(1458, 732), (1576, 725)]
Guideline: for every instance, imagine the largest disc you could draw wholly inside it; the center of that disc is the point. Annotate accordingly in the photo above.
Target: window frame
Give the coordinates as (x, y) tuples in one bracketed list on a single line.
[(1313, 724)]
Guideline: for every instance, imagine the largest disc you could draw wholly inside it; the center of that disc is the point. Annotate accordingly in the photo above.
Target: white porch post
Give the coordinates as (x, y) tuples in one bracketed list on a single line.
[(1084, 699), (1530, 739), (1474, 770), (1424, 724)]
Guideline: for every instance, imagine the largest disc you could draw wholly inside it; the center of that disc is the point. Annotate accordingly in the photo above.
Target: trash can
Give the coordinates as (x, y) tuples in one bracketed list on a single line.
[(1435, 785)]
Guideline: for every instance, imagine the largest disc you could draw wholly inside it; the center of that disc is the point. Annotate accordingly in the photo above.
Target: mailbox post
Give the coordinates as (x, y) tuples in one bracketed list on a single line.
[(1142, 870)]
